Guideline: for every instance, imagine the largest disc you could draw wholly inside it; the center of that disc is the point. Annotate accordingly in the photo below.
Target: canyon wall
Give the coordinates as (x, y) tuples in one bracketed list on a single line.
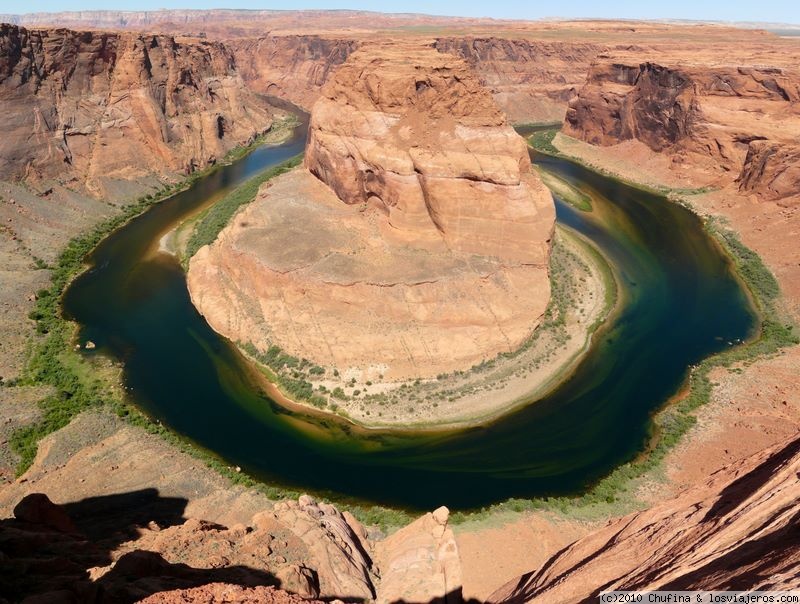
[(531, 80), (735, 122), (104, 110), (292, 67)]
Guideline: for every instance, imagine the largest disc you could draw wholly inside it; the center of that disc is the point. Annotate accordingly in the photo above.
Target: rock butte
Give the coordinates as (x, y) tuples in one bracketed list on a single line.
[(415, 242)]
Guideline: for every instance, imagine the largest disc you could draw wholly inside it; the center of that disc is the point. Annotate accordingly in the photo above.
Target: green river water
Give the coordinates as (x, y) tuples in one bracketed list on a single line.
[(681, 303)]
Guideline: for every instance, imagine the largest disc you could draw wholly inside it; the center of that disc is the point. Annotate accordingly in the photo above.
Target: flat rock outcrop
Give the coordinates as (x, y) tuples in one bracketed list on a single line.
[(737, 531), (417, 241), (735, 122), (103, 110)]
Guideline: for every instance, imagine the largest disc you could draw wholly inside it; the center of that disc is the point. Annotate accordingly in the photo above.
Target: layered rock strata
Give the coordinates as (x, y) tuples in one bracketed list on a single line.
[(416, 242), (292, 67), (101, 110), (531, 80), (737, 122), (738, 531)]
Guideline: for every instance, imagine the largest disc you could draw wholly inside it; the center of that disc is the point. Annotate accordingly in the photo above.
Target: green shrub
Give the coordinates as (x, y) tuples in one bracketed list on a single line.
[(543, 141), (52, 361), (218, 216)]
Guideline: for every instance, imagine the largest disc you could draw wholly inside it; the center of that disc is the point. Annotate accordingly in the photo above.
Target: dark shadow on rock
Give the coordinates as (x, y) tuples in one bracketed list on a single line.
[(744, 486), (139, 574), (452, 597), (47, 550), (117, 516)]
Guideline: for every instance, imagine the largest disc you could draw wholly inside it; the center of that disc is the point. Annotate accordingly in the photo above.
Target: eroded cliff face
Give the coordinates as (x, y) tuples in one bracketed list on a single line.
[(772, 170), (736, 122), (103, 110), (737, 531), (292, 67), (531, 80), (416, 243)]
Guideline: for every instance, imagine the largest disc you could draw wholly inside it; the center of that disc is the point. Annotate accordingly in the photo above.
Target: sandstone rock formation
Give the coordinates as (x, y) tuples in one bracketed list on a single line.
[(531, 80), (737, 531), (734, 121), (102, 110), (420, 562), (772, 170), (306, 548), (225, 593), (335, 540), (292, 67), (412, 134), (422, 245)]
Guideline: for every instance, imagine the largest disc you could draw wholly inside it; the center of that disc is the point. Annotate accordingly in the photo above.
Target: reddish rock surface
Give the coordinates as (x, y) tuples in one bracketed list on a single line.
[(104, 109), (771, 170), (737, 531), (732, 121), (431, 234), (420, 562), (413, 134), (532, 80), (223, 593), (292, 67), (308, 549)]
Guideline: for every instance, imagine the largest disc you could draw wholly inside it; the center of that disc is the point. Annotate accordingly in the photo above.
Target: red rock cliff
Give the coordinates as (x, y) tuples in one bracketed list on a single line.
[(293, 67), (106, 108), (736, 121), (531, 80)]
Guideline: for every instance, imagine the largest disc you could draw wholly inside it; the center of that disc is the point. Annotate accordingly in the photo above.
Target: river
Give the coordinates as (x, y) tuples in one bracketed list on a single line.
[(681, 303)]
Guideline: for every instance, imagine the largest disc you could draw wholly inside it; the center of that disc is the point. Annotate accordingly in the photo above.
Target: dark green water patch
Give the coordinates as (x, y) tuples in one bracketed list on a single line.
[(681, 303)]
